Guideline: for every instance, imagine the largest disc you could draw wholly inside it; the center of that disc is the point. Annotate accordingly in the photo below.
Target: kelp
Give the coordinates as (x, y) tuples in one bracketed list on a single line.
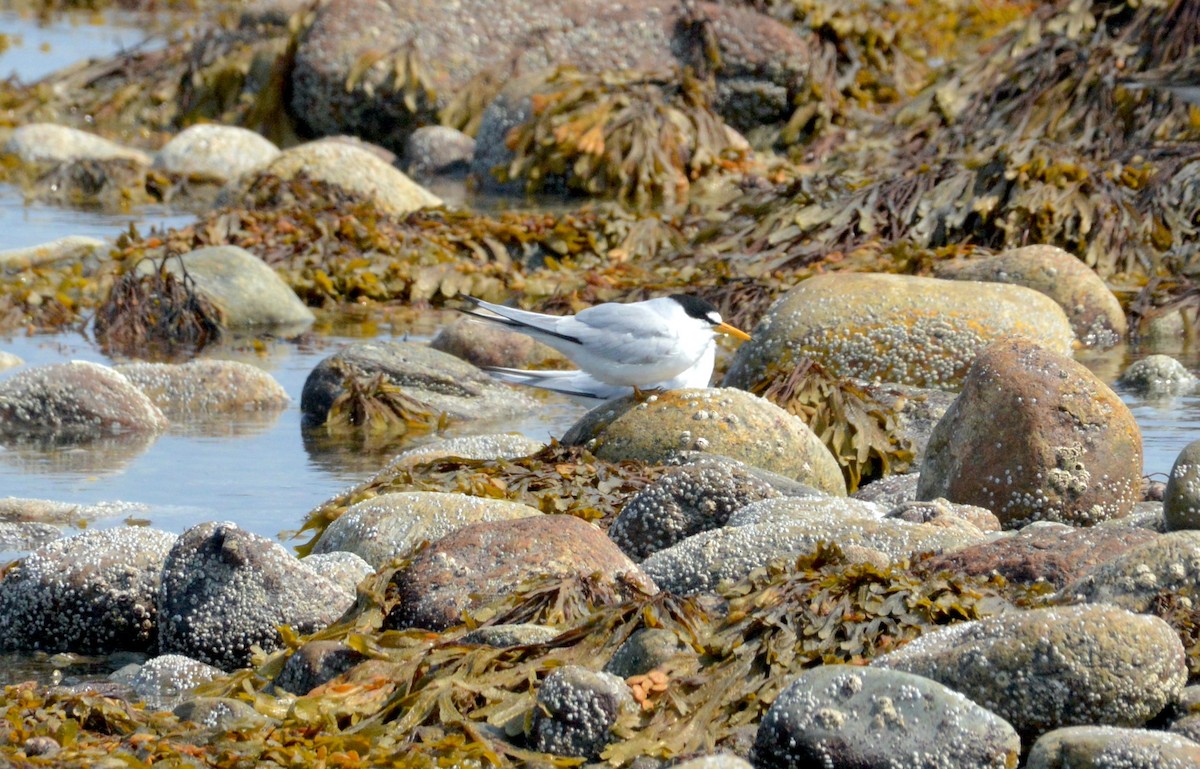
[(374, 407)]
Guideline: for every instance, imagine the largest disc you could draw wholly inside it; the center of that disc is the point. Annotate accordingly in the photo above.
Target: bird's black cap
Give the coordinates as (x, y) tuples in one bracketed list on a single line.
[(697, 307)]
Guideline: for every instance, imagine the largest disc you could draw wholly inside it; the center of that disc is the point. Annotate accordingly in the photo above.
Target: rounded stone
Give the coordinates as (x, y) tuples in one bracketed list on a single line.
[(438, 150), (162, 682), (895, 328), (1181, 499), (1167, 563), (215, 152), (1035, 436), (719, 421), (78, 400), (1107, 747), (848, 716), (79, 250), (487, 446), (47, 143), (1042, 669), (1157, 375), (577, 709), (206, 386), (485, 344)]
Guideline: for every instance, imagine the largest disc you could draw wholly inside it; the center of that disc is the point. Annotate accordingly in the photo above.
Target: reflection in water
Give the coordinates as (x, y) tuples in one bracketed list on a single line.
[(354, 455), (56, 454)]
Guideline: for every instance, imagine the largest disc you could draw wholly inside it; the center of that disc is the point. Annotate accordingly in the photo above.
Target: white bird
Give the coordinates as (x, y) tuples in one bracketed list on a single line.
[(659, 344)]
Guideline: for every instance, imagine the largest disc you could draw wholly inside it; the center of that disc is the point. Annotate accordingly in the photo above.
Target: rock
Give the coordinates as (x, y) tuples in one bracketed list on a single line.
[(1044, 552), (777, 528), (163, 681), (683, 501), (1106, 747), (93, 593), (1094, 312), (486, 344), (18, 509), (895, 328), (504, 636), (1187, 727), (578, 707), (352, 168), (438, 150), (244, 290), (490, 446), (476, 45), (389, 526), (8, 360), (942, 512), (474, 565), (1035, 436), (890, 490), (42, 746), (1167, 563), (314, 664), (225, 590), (1181, 498), (720, 421), (868, 718), (1061, 666), (439, 382), (218, 153), (71, 249), (77, 400), (343, 569), (715, 761), (1157, 375), (49, 144), (27, 535), (206, 387), (646, 649), (222, 714)]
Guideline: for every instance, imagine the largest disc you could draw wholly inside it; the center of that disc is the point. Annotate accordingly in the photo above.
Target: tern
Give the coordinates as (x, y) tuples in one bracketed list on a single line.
[(658, 344)]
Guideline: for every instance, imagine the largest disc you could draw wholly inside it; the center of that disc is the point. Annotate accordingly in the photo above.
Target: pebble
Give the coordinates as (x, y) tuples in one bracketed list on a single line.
[(438, 150), (1157, 375), (1181, 498)]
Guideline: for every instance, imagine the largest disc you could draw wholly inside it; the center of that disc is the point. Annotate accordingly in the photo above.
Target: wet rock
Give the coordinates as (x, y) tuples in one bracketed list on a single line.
[(476, 45), (1106, 747), (440, 382), (890, 490), (49, 144), (93, 593), (942, 512), (72, 249), (1168, 563), (490, 446), (1094, 312), (78, 400), (218, 713), (206, 387), (8, 360), (578, 707), (26, 535), (486, 344), (1035, 436), (1062, 666), (845, 716), (244, 290), (19, 509), (895, 328), (162, 682), (777, 528), (504, 636), (389, 526), (1157, 375), (1044, 552), (684, 501), (343, 569), (724, 421), (475, 564), (438, 150), (225, 590), (645, 650), (217, 153), (355, 170), (1187, 727), (1181, 498), (314, 664)]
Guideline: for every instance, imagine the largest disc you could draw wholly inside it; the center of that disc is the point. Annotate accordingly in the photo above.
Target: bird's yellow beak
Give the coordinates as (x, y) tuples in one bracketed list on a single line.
[(736, 333)]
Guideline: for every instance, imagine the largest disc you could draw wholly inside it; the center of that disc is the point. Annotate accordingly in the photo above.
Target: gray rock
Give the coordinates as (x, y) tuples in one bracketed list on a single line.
[(487, 344), (1106, 747), (1035, 436), (1169, 563), (504, 636), (1157, 375), (645, 650), (72, 249), (715, 761), (682, 502), (438, 150), (162, 682), (204, 386), (1061, 666), (343, 569), (490, 446), (8, 360), (40, 746), (724, 421), (895, 328), (244, 290), (867, 718), (49, 144), (78, 400), (217, 153), (440, 382), (578, 707), (225, 590), (1187, 727), (942, 512), (93, 593), (389, 526), (314, 664), (1181, 499), (221, 714), (890, 490), (27, 535)]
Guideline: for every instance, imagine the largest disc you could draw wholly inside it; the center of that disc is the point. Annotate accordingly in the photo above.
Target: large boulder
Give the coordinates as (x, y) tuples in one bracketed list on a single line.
[(75, 400)]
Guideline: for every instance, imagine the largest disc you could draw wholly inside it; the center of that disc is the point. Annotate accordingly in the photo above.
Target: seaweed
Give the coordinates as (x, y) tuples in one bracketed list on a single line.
[(378, 409)]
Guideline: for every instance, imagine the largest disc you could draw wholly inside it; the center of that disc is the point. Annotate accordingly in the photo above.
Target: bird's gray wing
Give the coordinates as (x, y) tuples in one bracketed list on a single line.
[(626, 333)]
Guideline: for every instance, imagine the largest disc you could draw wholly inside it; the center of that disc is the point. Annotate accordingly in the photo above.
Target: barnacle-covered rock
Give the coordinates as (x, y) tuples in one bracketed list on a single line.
[(162, 681), (1101, 747), (77, 400), (1157, 375), (206, 387), (1181, 499), (578, 708), (1166, 564)]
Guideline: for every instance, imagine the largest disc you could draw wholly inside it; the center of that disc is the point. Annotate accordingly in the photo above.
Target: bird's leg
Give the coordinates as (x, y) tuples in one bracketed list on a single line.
[(641, 396)]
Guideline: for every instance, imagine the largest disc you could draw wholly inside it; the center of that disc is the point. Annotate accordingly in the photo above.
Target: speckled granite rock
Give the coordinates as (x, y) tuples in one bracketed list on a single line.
[(93, 593), (895, 328), (721, 421), (1035, 436), (225, 590), (503, 636), (578, 707), (682, 502), (1062, 666), (462, 569), (221, 714), (1157, 375), (389, 526), (78, 400), (49, 144), (316, 663), (206, 386), (162, 682), (942, 512), (1106, 747), (490, 446), (1094, 312), (1166, 563), (214, 152), (1181, 498), (846, 716), (343, 569)]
